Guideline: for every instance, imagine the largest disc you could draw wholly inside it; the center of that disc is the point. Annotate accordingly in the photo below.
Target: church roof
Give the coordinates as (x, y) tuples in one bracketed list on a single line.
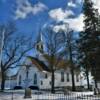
[(39, 64), (61, 64)]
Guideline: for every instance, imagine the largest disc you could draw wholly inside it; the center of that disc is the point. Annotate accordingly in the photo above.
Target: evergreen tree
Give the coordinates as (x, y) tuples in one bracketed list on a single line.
[(89, 40)]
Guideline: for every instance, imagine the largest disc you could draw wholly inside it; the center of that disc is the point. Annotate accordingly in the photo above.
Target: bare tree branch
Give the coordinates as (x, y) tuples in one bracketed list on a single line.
[(14, 48)]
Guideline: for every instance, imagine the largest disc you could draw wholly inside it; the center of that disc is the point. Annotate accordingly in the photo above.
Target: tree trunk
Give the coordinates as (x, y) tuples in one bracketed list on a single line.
[(87, 78), (3, 81), (96, 91), (73, 81), (52, 82), (72, 68), (95, 81), (94, 69)]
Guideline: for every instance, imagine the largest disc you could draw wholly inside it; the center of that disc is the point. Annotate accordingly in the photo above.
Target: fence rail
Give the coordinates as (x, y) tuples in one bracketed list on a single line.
[(64, 97), (19, 95)]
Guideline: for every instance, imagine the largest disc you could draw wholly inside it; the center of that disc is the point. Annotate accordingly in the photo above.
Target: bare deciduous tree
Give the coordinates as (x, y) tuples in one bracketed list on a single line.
[(54, 43), (14, 48)]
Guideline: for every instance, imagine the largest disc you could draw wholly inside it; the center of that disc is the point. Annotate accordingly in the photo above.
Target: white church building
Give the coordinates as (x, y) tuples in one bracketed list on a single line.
[(41, 77), (32, 74), (35, 73)]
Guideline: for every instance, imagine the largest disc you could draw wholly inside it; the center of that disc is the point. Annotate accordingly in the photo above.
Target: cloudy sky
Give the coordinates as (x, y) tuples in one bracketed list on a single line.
[(30, 15)]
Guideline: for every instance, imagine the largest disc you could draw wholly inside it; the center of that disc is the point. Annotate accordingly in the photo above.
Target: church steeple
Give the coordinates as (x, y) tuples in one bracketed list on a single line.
[(39, 43)]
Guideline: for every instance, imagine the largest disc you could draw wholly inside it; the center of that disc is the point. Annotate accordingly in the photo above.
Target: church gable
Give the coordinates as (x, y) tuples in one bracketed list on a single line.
[(39, 64)]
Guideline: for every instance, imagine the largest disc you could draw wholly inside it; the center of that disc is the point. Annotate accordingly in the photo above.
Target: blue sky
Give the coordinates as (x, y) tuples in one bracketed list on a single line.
[(29, 15)]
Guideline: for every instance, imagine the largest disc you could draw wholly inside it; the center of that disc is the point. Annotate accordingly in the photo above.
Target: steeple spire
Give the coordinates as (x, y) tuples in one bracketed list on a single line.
[(39, 43), (39, 38)]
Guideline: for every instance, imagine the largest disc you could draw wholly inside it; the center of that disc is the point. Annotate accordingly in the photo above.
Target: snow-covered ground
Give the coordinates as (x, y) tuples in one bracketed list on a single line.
[(19, 95)]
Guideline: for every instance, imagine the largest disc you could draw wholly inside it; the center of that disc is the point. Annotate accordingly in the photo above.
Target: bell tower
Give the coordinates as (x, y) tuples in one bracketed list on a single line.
[(39, 43)]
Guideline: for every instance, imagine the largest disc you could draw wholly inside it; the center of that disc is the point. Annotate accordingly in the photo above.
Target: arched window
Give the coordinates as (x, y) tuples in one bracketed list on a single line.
[(62, 76), (20, 80), (35, 78)]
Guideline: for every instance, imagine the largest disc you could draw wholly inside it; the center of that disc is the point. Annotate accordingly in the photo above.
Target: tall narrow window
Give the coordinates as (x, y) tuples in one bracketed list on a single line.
[(35, 78), (67, 77), (46, 76), (77, 78), (41, 82), (50, 82), (20, 80), (62, 76)]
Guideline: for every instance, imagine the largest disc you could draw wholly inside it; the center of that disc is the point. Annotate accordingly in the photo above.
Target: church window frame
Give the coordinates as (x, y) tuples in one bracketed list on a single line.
[(20, 79), (35, 79), (62, 76), (67, 77), (46, 75)]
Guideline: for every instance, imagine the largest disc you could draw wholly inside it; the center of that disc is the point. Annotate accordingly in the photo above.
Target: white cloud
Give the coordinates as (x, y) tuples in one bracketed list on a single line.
[(76, 24), (97, 4), (24, 8), (71, 4), (74, 3), (58, 27), (20, 14), (59, 14)]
